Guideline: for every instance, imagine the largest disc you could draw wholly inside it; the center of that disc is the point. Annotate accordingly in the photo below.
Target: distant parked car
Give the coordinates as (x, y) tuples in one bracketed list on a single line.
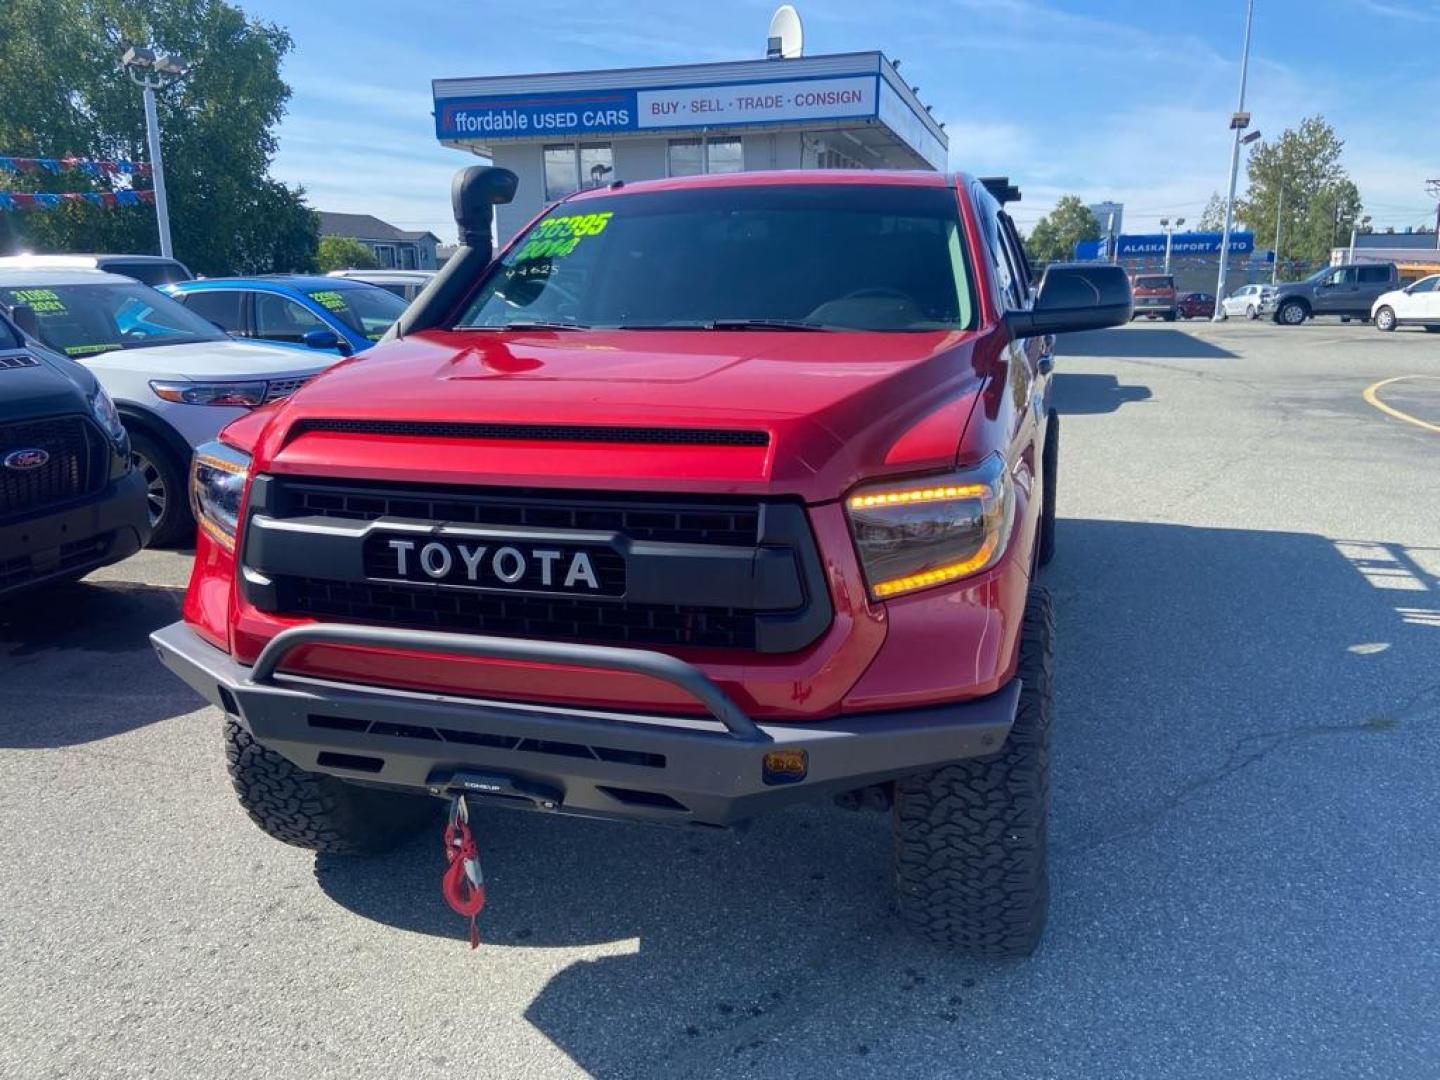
[(405, 284), (1154, 296), (175, 378), (1347, 291), (1418, 304), (151, 269), (328, 314), (1195, 305), (1249, 302)]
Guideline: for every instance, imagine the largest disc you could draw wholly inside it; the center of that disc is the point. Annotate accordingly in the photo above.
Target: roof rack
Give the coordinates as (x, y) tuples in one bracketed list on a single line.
[(1001, 188)]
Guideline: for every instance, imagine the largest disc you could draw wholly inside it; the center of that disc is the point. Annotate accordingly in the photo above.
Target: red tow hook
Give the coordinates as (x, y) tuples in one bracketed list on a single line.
[(463, 885)]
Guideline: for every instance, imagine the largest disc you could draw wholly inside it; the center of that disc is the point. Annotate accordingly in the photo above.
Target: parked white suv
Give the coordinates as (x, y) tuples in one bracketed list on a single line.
[(175, 378), (1418, 304)]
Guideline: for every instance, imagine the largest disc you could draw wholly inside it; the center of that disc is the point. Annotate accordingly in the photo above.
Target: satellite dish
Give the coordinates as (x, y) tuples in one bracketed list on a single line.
[(787, 37)]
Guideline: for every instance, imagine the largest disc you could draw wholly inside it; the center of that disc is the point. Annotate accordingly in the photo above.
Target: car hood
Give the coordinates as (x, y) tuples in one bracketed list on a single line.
[(212, 360), (45, 389), (824, 402)]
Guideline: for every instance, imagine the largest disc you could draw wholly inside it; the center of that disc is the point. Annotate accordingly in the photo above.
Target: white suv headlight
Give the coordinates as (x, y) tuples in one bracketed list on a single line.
[(217, 484)]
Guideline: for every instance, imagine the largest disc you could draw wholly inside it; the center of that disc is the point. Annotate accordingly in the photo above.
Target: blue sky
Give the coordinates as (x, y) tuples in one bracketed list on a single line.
[(1109, 99)]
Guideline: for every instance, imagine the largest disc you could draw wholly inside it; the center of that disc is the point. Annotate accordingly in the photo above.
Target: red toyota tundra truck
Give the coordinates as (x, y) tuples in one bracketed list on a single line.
[(705, 497)]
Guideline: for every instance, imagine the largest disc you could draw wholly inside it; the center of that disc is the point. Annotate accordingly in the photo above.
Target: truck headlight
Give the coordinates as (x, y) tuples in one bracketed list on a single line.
[(217, 484), (916, 534), (246, 395), (103, 409)]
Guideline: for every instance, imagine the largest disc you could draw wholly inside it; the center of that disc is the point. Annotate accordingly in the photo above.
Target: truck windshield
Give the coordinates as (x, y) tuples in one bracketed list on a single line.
[(787, 256), (85, 320)]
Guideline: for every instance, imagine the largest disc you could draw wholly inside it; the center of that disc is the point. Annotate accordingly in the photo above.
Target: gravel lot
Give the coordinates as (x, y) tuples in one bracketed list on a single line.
[(1246, 845)]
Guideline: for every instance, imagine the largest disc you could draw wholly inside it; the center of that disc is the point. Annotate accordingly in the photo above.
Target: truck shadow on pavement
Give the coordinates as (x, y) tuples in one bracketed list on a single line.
[(76, 663), (1231, 704), (1140, 341), (1091, 395)]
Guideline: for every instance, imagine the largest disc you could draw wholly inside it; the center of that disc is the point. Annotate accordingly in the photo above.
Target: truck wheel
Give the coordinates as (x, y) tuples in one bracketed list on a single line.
[(1049, 462), (166, 496), (970, 837), (1291, 313), (1250, 312), (1169, 316), (311, 810), (1385, 319)]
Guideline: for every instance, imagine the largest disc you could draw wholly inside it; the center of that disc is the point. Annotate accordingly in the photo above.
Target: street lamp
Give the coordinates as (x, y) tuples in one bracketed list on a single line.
[(1169, 234), (148, 69), (1239, 121)]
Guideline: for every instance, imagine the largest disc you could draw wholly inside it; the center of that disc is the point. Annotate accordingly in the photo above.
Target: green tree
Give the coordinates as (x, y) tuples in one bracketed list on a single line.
[(1212, 218), (1055, 235), (345, 253), (63, 91), (1320, 202)]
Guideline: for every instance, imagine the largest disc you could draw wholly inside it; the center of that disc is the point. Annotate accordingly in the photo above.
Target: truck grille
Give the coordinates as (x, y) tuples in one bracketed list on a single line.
[(283, 388), (637, 517), (549, 618), (76, 466), (783, 607)]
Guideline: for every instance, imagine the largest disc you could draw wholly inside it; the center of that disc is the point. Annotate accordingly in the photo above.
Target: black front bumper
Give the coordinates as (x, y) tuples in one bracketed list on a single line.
[(589, 762), (105, 528)]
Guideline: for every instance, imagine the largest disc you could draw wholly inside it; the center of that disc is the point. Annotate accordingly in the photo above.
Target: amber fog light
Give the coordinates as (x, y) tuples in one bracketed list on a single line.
[(916, 534), (785, 766)]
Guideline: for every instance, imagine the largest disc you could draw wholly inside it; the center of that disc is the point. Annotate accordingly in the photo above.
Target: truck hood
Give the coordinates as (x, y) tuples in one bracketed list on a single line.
[(826, 402), (212, 360), (44, 390)]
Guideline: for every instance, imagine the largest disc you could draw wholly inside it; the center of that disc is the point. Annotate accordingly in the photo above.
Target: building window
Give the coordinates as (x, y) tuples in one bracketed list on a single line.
[(407, 258), (385, 253), (568, 169), (686, 157), (691, 157), (724, 156), (827, 157)]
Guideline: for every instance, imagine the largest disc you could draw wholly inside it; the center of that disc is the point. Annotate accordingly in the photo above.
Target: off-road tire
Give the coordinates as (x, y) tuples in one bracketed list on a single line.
[(1169, 316), (1049, 464), (970, 838), (1292, 313), (1385, 319), (314, 811)]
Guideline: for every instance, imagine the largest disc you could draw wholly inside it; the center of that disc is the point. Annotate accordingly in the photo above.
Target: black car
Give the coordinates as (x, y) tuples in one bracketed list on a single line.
[(69, 500)]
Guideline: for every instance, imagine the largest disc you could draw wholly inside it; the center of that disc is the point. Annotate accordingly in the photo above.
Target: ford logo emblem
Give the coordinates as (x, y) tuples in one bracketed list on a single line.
[(24, 460)]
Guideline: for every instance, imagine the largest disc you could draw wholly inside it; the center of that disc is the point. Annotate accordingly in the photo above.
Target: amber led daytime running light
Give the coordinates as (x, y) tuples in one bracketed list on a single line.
[(917, 495), (937, 576)]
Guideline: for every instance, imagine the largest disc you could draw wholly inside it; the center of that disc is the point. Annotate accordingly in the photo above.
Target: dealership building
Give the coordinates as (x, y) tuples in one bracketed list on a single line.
[(571, 130)]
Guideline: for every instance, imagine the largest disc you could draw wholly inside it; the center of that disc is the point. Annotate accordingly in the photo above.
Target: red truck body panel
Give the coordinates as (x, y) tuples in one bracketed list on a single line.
[(838, 408)]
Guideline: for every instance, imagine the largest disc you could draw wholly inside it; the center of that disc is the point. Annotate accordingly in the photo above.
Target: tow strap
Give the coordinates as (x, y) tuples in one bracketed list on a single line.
[(463, 885)]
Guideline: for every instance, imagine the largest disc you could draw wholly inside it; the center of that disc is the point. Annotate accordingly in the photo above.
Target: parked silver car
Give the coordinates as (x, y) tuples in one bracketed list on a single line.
[(1249, 301)]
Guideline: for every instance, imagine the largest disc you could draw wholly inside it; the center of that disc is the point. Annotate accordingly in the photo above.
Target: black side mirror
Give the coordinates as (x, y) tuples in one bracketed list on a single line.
[(1075, 296), (321, 339), (25, 318)]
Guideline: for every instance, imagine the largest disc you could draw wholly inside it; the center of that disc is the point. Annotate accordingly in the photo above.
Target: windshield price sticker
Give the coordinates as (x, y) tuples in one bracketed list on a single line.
[(43, 301), (557, 236), (331, 301), (89, 350)]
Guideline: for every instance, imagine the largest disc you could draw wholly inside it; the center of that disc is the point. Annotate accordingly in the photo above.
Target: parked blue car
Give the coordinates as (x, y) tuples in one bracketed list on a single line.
[(304, 312)]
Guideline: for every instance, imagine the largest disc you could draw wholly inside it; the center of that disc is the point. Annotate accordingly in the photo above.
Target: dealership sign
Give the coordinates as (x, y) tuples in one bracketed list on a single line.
[(1181, 244), (599, 112)]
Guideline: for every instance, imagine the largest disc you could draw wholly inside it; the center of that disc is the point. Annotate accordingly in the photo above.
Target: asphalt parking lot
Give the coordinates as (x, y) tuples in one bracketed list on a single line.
[(1246, 858)]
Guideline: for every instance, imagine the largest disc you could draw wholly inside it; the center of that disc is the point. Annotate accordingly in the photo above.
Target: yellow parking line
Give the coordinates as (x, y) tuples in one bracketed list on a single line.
[(1390, 410)]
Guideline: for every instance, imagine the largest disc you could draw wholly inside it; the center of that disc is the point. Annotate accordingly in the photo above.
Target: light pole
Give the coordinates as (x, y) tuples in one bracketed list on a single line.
[(1355, 227), (1169, 235), (148, 70), (1279, 210), (1239, 121)]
